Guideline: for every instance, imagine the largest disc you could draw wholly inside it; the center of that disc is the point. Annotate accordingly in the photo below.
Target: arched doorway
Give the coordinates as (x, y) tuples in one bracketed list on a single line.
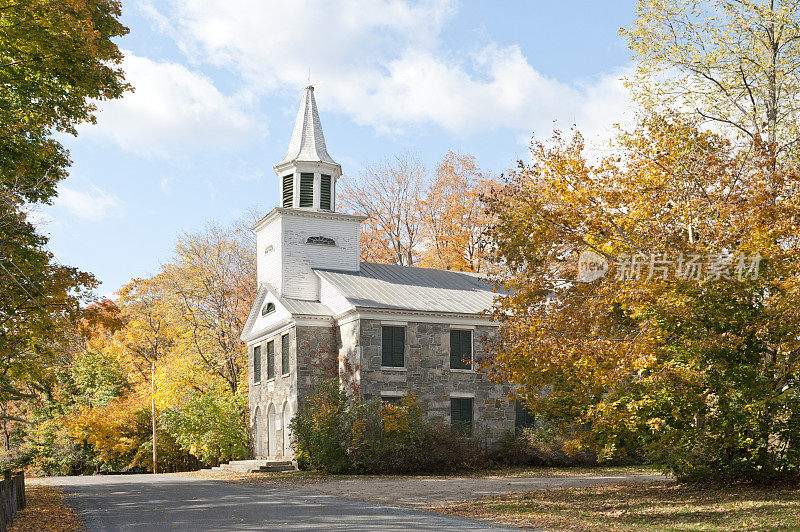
[(287, 435), (258, 434), (272, 433)]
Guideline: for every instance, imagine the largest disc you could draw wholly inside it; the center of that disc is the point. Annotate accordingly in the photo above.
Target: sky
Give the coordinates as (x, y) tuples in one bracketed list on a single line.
[(218, 84)]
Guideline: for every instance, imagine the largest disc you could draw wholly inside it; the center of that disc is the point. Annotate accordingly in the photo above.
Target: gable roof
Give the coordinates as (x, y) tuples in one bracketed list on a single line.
[(387, 286), (308, 142), (296, 307)]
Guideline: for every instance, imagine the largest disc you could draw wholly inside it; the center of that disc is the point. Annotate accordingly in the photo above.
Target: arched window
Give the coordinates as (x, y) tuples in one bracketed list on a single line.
[(266, 309), (321, 241)]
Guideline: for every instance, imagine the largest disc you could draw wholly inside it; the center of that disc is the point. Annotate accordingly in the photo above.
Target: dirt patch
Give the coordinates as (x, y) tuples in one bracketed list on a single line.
[(425, 492)]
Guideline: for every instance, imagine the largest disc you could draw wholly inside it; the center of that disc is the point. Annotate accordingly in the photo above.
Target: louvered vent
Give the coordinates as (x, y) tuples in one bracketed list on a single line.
[(288, 190), (306, 190), (325, 193)]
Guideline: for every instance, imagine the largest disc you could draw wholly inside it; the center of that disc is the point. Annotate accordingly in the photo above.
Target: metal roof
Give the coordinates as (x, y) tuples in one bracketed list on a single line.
[(386, 286), (308, 142), (305, 308)]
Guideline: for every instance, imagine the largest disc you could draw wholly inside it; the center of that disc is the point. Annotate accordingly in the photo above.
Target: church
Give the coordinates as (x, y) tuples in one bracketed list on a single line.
[(391, 330)]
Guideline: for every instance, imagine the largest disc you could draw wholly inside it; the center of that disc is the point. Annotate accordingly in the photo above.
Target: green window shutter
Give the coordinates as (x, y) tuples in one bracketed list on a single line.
[(461, 414), (306, 190), (393, 346), (257, 363), (325, 192), (270, 360), (288, 191), (285, 354), (460, 349)]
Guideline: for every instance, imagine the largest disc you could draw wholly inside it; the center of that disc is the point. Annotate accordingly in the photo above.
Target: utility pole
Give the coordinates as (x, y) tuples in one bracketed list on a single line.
[(153, 411)]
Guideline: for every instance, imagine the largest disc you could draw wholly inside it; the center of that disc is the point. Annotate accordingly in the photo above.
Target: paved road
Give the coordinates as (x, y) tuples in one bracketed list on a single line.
[(175, 502)]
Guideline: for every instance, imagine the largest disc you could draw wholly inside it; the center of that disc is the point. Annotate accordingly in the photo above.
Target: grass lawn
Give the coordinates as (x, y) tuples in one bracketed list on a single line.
[(655, 506), (46, 512)]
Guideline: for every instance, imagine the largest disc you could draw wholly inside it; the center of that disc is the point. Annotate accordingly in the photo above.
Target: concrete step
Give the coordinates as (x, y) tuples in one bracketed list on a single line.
[(255, 466)]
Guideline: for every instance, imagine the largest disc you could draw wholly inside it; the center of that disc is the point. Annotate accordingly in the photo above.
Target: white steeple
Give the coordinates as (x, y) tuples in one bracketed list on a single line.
[(308, 173), (305, 232)]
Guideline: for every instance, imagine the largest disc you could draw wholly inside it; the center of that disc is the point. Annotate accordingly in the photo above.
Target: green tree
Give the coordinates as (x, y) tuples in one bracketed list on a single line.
[(57, 58)]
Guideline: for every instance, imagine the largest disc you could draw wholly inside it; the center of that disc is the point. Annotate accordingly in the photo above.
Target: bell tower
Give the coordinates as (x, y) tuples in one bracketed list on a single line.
[(307, 173), (306, 232)]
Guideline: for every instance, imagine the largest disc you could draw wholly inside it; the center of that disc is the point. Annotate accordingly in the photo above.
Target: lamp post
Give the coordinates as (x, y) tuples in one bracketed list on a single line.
[(153, 411)]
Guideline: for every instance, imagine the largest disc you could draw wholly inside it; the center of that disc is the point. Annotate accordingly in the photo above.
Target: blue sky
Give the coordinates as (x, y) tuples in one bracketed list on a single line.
[(218, 86)]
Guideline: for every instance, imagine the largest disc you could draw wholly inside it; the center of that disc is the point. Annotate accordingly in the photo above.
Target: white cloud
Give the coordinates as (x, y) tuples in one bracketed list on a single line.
[(383, 63), (92, 205), (172, 108)]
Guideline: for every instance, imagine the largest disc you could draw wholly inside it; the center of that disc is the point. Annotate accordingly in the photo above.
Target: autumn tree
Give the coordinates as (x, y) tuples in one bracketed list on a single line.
[(455, 218), (210, 289), (389, 193), (734, 63), (687, 349)]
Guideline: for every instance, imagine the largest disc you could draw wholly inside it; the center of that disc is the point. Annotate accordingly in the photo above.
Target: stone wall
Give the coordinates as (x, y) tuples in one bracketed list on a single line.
[(316, 354), (427, 374)]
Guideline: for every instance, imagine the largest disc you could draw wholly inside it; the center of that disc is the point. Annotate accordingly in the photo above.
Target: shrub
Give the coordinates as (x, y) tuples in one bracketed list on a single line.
[(340, 434), (547, 445)]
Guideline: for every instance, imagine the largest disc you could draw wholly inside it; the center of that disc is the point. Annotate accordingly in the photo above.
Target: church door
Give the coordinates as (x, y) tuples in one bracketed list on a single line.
[(272, 433)]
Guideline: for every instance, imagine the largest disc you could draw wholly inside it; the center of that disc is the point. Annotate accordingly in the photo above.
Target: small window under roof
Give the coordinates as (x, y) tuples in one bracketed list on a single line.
[(321, 241), (266, 309)]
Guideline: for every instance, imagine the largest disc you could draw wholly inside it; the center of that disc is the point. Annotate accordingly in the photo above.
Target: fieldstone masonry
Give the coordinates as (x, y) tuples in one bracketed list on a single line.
[(427, 373)]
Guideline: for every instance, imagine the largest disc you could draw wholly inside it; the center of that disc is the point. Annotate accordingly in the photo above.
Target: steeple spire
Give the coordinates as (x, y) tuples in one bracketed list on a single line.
[(308, 142), (308, 173)]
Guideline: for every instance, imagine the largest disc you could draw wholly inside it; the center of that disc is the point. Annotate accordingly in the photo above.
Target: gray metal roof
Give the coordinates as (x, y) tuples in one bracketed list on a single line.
[(386, 286), (305, 308), (308, 142)]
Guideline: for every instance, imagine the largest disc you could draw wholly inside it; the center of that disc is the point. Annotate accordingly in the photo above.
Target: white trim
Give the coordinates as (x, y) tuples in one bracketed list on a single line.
[(325, 215), (462, 395), (461, 370), (462, 327), (412, 316), (393, 394), (394, 323), (394, 368)]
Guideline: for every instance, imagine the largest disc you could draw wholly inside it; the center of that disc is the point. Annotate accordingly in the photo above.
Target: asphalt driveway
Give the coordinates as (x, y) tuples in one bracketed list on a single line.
[(177, 502)]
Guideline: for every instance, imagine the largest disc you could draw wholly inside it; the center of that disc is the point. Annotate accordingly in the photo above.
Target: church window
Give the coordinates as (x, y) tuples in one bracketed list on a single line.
[(257, 363), (285, 354), (306, 190), (460, 349), (393, 346), (461, 414), (325, 192), (288, 190), (268, 308), (270, 360), (523, 418), (321, 241)]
